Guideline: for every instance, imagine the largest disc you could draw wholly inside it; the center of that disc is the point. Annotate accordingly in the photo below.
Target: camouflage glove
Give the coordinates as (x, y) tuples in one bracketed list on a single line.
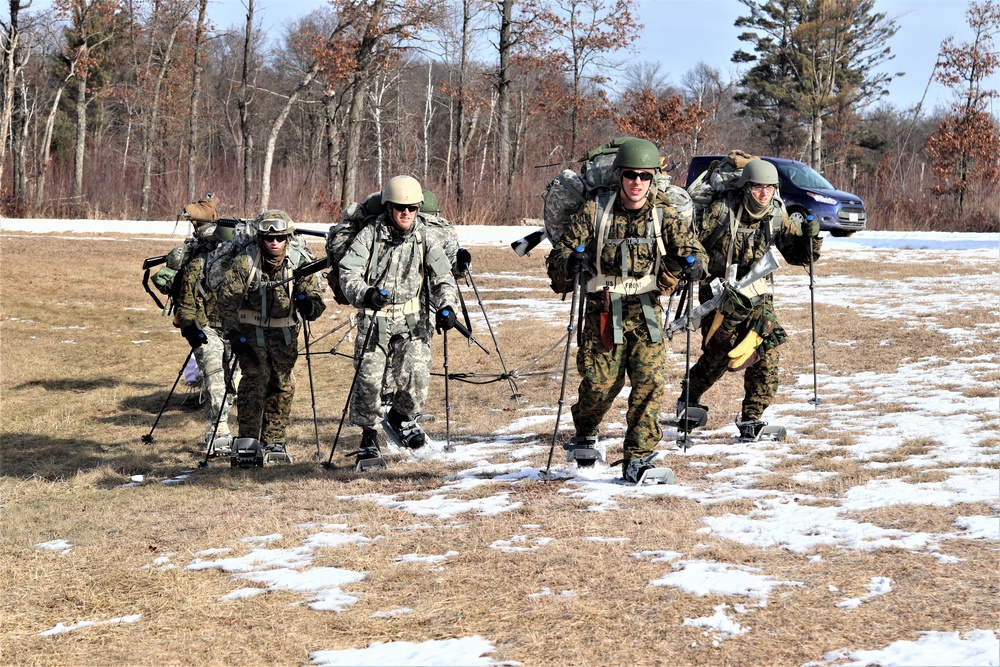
[(809, 227), (446, 319), (375, 299), (238, 343), (194, 336)]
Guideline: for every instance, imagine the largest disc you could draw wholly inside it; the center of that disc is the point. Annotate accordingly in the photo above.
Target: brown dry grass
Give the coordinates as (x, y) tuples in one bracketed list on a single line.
[(73, 415)]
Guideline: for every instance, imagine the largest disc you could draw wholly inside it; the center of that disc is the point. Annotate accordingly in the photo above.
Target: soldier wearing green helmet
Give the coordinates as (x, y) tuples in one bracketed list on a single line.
[(738, 229), (627, 248)]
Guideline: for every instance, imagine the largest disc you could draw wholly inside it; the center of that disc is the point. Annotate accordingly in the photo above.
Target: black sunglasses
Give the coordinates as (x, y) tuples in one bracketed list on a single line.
[(273, 237), (643, 176), (409, 208)]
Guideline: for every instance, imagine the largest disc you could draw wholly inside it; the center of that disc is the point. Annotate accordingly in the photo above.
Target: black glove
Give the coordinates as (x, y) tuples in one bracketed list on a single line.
[(810, 227), (375, 299), (463, 259), (194, 336), (305, 306), (693, 269), (446, 319), (238, 343), (577, 262)]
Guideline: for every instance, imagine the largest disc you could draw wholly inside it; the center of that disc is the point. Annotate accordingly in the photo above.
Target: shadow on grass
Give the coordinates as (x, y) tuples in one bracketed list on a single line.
[(76, 384), (27, 455)]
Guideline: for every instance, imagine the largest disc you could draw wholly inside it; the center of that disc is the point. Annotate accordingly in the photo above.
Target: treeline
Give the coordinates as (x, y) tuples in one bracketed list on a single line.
[(118, 109)]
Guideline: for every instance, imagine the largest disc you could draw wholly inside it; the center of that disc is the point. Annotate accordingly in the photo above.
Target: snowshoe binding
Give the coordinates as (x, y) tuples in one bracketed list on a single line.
[(368, 455), (756, 430), (246, 453), (643, 471), (275, 454), (403, 430), (221, 446), (690, 416), (585, 450)]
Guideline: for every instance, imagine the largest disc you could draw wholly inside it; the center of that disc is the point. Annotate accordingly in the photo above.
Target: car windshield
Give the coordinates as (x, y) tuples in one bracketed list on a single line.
[(803, 176)]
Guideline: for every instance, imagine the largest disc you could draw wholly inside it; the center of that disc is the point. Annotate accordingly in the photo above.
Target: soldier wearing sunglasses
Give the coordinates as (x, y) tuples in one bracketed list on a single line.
[(633, 247), (384, 273)]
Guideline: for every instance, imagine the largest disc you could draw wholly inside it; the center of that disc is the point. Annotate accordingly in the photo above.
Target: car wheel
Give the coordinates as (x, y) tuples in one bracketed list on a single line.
[(797, 215), (841, 232)]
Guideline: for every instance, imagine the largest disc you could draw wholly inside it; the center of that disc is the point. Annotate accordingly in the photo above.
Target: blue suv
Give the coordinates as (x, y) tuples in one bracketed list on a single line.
[(805, 192)]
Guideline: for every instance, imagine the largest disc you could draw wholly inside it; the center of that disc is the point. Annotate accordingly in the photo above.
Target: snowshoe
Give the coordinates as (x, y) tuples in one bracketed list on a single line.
[(403, 430), (368, 455), (221, 446), (585, 450), (274, 453), (756, 430), (642, 471), (247, 453), (690, 416)]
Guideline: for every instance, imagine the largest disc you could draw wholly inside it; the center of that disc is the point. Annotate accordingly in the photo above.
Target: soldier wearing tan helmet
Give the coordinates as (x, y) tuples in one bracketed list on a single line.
[(737, 230), (384, 273), (262, 306)]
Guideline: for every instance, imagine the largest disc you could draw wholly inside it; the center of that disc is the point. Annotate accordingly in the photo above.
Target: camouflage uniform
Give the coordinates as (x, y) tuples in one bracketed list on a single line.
[(637, 349), (197, 306), (268, 386), (399, 351), (741, 314)]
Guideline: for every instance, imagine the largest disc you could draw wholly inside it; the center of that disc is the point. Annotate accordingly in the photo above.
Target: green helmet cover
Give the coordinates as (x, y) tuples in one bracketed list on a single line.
[(222, 233), (373, 204), (758, 171), (637, 154), (430, 204)]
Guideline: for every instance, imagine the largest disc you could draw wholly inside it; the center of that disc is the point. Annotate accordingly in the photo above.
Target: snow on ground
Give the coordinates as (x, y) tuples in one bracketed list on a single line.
[(935, 388)]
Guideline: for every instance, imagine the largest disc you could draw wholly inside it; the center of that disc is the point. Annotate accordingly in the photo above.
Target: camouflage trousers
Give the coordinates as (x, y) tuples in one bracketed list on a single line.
[(760, 381), (267, 387), (603, 375), (403, 366), (212, 357)]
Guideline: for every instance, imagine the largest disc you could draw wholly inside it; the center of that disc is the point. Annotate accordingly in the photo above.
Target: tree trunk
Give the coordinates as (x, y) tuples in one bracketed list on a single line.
[(461, 140), (428, 116), (331, 139), (9, 49), (81, 137), (43, 164), (149, 138), (505, 163), (272, 139), (245, 98), (192, 156), (816, 141)]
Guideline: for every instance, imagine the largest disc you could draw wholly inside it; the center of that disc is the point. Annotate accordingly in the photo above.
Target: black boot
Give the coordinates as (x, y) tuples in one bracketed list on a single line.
[(368, 455), (407, 430)]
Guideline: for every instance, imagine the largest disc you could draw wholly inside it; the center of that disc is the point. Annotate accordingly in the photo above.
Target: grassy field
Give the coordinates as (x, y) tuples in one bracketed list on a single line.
[(551, 573)]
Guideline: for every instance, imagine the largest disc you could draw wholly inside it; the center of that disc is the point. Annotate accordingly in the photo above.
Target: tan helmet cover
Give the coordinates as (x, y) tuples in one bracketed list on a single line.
[(402, 190)]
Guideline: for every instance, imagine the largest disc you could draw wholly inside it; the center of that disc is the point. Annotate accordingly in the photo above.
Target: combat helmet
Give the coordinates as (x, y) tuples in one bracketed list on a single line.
[(637, 154), (430, 204), (760, 172), (274, 222), (402, 190)]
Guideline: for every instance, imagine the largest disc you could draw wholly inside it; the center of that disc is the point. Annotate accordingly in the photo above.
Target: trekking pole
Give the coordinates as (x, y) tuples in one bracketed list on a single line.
[(515, 394), (148, 438), (812, 313), (343, 415), (686, 427), (229, 372), (318, 456), (448, 447), (577, 287)]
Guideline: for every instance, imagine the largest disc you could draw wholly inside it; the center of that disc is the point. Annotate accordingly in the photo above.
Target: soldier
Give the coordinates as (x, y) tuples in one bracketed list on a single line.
[(634, 245), (261, 305), (743, 334), (384, 273), (197, 315)]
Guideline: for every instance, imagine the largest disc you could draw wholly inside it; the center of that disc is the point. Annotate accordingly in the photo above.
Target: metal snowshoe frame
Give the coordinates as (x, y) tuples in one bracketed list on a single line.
[(247, 453), (763, 433), (585, 450)]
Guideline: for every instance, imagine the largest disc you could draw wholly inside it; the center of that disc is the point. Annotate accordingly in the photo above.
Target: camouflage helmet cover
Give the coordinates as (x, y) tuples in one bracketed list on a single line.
[(637, 154), (758, 171), (274, 222)]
